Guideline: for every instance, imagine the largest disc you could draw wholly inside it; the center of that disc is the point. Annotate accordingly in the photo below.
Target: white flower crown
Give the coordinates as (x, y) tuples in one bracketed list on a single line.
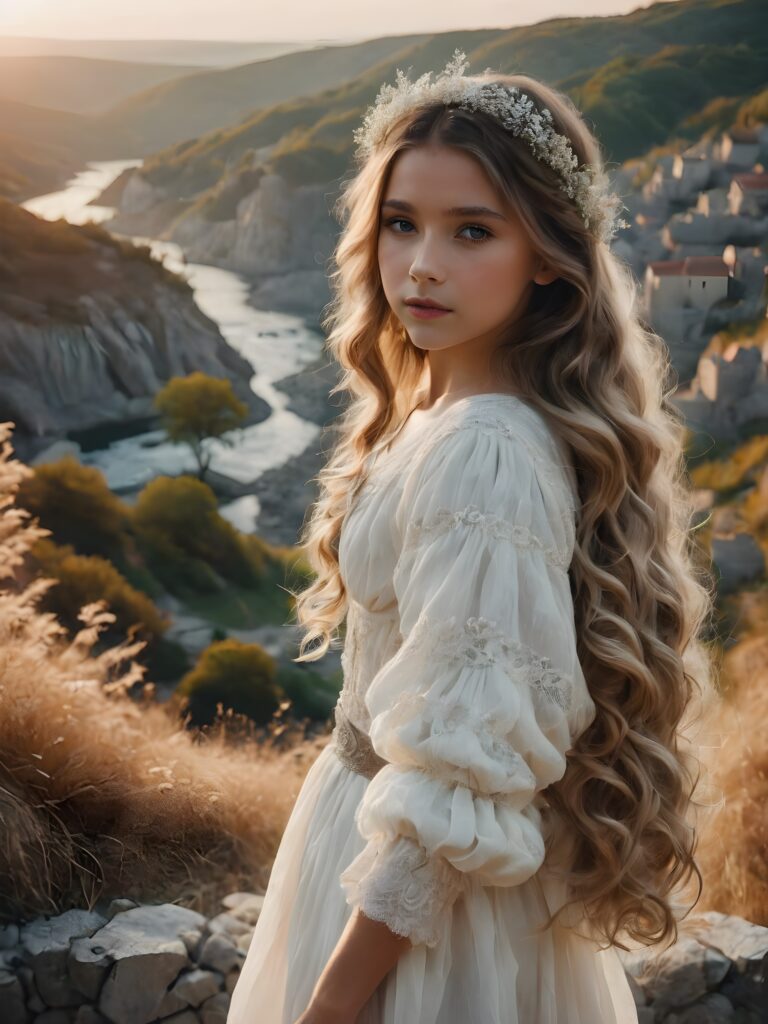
[(585, 185)]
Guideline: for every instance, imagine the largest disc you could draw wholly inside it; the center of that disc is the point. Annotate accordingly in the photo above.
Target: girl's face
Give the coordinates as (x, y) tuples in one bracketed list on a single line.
[(447, 236)]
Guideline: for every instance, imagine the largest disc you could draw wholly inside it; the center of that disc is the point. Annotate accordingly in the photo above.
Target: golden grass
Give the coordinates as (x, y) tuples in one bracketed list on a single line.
[(733, 852), (101, 795)]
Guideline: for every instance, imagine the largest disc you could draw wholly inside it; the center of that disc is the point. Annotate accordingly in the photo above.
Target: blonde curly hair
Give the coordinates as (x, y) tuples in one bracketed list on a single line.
[(581, 356)]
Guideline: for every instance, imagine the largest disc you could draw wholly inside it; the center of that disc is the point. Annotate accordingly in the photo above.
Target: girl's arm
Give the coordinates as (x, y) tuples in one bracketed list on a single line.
[(366, 951)]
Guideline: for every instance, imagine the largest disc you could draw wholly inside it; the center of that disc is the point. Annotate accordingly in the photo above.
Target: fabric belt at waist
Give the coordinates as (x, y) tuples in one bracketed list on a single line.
[(353, 746)]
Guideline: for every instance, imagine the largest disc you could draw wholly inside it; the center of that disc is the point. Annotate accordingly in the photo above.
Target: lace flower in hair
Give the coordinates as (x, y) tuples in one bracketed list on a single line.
[(516, 111)]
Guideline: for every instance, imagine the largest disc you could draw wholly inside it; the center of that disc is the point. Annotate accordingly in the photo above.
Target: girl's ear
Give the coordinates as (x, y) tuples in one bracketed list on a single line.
[(545, 275)]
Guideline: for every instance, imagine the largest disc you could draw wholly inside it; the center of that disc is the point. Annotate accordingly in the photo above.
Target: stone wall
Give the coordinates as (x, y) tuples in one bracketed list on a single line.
[(714, 973), (128, 963)]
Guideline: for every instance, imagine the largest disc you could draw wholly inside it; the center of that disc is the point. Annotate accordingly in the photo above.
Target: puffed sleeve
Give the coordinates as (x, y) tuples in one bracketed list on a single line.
[(475, 711)]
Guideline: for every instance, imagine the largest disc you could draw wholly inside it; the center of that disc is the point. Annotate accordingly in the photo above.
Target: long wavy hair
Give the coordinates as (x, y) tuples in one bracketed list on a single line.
[(583, 357)]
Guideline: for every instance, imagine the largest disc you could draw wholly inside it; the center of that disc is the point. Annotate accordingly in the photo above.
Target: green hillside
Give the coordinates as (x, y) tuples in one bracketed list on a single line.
[(561, 50), (636, 103), (717, 46), (79, 84), (205, 101), (654, 92)]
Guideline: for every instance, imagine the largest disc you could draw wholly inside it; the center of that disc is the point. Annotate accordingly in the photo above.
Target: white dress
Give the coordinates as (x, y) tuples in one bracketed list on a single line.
[(460, 665)]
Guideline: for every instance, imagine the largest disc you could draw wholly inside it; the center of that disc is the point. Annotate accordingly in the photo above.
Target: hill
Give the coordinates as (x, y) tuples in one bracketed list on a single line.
[(198, 52), (177, 109), (636, 83), (41, 126), (592, 58), (32, 168), (78, 84), (209, 100)]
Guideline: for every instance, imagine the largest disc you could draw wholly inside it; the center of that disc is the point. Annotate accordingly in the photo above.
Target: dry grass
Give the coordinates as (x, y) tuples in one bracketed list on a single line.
[(101, 795), (733, 854)]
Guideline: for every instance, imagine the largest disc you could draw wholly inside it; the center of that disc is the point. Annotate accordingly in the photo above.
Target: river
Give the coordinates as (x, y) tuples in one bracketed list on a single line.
[(275, 344)]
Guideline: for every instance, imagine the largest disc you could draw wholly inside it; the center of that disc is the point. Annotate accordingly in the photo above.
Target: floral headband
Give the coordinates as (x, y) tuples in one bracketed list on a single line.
[(515, 111)]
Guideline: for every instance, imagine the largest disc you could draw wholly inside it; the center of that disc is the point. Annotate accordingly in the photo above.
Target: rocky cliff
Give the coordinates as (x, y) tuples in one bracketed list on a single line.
[(279, 235), (91, 328)]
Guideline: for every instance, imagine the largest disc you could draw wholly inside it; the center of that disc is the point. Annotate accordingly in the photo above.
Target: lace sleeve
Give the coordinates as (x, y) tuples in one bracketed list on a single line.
[(476, 710)]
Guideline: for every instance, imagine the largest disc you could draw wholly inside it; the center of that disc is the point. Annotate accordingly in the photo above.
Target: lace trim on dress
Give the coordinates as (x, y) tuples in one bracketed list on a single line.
[(444, 519), (397, 883), (478, 642)]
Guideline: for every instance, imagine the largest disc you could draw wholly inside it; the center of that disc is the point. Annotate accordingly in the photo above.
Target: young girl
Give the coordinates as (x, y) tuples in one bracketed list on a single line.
[(506, 795)]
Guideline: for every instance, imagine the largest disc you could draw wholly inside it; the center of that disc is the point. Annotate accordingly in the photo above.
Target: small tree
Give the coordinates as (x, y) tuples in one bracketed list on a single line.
[(197, 408)]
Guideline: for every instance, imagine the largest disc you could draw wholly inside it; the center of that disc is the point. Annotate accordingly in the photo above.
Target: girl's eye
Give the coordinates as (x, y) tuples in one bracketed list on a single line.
[(467, 227), (397, 220), (476, 227)]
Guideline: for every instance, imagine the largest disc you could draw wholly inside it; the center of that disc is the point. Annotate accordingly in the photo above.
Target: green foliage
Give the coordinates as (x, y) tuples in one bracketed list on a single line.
[(186, 542), (237, 675), (166, 660), (638, 101), (75, 503), (198, 407), (754, 110), (304, 164), (197, 166), (733, 472), (86, 578), (714, 117), (312, 695)]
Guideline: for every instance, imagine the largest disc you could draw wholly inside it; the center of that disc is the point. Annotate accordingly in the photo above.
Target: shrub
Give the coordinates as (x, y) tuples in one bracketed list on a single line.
[(100, 795), (188, 544), (74, 502), (83, 579), (311, 694), (236, 675)]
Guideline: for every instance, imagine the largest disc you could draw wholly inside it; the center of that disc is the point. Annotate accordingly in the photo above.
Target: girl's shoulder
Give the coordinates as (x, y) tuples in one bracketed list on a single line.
[(514, 422), (490, 460)]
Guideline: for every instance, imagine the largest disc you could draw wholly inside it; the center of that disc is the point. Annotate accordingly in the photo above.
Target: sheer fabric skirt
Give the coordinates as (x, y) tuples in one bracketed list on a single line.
[(491, 967)]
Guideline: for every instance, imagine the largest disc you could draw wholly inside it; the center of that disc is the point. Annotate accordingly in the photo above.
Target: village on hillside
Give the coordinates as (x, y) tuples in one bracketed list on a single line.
[(697, 243)]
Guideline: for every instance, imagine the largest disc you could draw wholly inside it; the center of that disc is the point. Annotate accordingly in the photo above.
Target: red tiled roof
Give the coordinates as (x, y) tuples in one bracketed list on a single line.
[(748, 181), (691, 266)]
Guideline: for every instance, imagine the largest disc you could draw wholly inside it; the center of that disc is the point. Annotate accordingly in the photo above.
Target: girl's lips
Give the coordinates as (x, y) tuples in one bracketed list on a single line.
[(426, 312)]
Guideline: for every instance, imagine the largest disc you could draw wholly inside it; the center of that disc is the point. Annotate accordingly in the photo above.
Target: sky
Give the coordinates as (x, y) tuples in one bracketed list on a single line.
[(246, 20)]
